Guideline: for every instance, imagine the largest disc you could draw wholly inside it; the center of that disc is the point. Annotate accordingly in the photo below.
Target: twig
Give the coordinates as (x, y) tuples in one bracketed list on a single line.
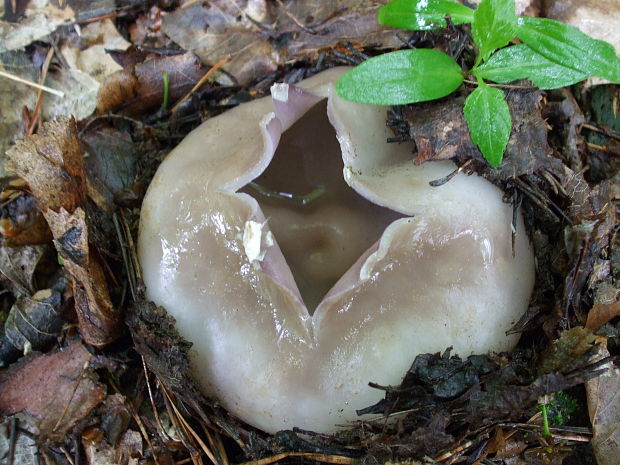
[(36, 114), (337, 459), (137, 419), (66, 409), (127, 260), (32, 84), (456, 450), (607, 132), (12, 441), (179, 427), (90, 121), (189, 428), (202, 80), (67, 455), (301, 25), (442, 181), (502, 86), (155, 412), (541, 201), (603, 148), (132, 247)]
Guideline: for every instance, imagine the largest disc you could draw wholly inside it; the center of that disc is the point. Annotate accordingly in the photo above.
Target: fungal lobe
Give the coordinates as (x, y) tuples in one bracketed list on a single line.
[(304, 257)]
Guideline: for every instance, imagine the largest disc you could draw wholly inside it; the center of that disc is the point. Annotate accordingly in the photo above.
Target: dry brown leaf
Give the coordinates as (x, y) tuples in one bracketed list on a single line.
[(129, 450), (17, 267), (99, 321), (21, 222), (57, 389), (139, 88), (259, 40), (601, 314), (566, 350), (40, 19), (52, 165), (603, 395), (14, 96)]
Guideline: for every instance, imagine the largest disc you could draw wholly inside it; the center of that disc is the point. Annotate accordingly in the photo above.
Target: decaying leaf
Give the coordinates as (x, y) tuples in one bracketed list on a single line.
[(40, 19), (568, 349), (115, 418), (129, 451), (57, 389), (34, 322), (140, 87), (602, 313), (14, 96), (110, 164), (603, 395), (21, 222), (586, 240), (99, 320), (260, 36), (51, 163), (87, 65), (17, 266)]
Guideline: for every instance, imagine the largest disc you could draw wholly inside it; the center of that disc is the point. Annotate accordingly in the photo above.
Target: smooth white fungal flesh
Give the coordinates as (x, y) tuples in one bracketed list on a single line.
[(441, 272)]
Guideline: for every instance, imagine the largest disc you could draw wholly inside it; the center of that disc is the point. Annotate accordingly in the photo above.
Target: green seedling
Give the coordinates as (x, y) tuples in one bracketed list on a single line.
[(556, 410), (550, 55), (166, 82)]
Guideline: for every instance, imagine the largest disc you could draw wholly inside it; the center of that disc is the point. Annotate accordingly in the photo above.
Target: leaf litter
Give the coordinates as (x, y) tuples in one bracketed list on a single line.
[(132, 400)]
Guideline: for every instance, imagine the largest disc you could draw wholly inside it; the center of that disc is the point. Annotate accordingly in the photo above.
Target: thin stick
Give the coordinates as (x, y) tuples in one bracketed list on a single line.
[(67, 456), (188, 428), (457, 450), (66, 409), (337, 459), (32, 84), (136, 417), (603, 148), (201, 81), (155, 412), (609, 133), (501, 86), (36, 114), (12, 441), (301, 25)]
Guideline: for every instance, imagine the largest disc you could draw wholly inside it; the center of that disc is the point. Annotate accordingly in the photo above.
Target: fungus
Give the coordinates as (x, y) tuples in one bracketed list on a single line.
[(394, 266)]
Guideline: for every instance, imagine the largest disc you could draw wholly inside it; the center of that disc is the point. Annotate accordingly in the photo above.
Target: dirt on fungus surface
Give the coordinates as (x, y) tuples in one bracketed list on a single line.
[(78, 334)]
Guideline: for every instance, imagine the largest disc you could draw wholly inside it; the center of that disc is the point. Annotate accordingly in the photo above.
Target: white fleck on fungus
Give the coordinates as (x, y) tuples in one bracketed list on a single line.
[(393, 266)]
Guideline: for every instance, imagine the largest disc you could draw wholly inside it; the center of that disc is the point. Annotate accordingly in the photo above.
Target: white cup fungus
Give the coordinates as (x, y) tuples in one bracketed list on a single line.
[(391, 266)]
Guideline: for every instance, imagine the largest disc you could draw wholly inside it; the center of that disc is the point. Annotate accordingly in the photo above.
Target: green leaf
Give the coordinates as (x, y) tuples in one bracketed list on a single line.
[(570, 47), (489, 121), (397, 78), (423, 15), (521, 62), (495, 23)]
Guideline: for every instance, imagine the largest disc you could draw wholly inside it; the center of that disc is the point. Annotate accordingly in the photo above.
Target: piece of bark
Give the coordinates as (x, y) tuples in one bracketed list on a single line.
[(440, 133)]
